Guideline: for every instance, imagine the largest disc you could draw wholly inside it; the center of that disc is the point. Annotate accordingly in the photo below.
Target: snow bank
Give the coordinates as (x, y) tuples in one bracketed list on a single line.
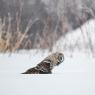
[(82, 38)]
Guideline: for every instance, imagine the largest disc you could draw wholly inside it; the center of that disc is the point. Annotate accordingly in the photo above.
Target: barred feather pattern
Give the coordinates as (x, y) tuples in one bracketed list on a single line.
[(46, 66)]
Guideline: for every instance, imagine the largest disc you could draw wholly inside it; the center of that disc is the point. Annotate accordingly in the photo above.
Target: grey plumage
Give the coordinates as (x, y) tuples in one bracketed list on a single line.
[(46, 66)]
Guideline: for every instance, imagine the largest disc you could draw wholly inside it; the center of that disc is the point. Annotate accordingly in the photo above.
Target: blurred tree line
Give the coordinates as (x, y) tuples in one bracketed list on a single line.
[(51, 18)]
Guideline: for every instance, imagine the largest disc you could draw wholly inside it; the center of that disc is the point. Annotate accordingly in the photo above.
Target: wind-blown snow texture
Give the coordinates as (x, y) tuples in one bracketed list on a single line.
[(75, 76)]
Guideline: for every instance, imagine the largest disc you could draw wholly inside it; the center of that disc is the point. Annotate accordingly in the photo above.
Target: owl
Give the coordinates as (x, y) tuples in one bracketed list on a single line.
[(46, 66)]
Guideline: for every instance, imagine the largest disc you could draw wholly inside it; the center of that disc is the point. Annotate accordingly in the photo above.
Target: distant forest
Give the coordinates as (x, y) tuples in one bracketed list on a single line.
[(39, 23)]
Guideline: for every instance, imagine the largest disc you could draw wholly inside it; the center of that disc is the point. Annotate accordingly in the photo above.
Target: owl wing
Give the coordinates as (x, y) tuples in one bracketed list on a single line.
[(43, 67)]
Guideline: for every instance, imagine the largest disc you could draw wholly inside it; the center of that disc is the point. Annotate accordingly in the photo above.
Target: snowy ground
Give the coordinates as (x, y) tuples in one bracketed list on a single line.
[(75, 76)]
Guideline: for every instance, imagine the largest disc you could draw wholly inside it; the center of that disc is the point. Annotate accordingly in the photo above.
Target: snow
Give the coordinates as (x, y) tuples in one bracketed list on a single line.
[(67, 84), (75, 76), (82, 38)]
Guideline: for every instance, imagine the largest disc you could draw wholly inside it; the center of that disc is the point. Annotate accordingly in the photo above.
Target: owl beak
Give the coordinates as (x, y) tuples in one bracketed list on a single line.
[(59, 62)]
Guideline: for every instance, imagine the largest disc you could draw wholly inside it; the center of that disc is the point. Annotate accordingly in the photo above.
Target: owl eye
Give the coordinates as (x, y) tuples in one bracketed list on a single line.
[(61, 58)]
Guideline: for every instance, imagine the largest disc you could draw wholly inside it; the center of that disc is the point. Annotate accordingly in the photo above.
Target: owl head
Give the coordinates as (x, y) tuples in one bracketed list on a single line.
[(56, 58)]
